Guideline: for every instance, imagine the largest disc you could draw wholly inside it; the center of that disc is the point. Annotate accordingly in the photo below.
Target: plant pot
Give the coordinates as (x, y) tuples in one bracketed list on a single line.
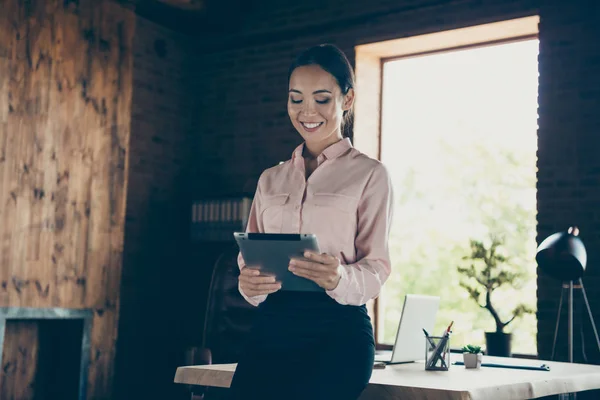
[(472, 360), (498, 344)]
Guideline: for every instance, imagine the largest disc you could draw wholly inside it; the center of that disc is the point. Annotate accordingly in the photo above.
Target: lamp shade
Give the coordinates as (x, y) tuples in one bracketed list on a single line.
[(562, 255)]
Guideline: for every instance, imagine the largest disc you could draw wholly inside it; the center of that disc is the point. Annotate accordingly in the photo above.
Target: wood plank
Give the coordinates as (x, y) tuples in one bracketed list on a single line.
[(5, 149), (17, 375)]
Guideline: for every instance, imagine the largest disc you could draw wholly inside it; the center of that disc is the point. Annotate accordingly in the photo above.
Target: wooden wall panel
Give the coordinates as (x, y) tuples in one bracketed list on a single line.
[(65, 109)]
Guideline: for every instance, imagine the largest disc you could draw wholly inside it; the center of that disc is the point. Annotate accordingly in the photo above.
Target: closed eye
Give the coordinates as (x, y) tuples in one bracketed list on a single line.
[(323, 101), (296, 101)]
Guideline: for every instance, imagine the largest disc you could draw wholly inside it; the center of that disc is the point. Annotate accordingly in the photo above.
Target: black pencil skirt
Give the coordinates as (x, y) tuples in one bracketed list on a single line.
[(305, 345)]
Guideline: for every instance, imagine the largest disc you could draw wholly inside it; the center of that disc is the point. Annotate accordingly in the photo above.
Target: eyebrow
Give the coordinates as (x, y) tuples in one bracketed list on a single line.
[(315, 92)]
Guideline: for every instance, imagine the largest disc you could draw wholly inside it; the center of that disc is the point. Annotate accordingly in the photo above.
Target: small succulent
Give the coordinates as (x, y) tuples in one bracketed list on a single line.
[(471, 349)]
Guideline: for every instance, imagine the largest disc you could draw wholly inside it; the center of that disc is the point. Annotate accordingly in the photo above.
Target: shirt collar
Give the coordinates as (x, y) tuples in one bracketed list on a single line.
[(334, 151), (337, 149)]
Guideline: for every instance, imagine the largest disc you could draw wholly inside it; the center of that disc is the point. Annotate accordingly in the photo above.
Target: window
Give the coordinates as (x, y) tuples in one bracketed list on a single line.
[(458, 132)]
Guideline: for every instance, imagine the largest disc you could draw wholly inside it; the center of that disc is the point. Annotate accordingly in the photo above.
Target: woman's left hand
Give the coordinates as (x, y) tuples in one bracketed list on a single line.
[(323, 269)]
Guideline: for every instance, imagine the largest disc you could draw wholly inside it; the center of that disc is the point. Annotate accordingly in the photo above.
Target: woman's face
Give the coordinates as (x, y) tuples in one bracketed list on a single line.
[(316, 105)]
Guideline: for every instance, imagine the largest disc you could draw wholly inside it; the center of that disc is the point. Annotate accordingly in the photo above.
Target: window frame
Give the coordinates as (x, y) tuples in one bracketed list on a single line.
[(369, 64)]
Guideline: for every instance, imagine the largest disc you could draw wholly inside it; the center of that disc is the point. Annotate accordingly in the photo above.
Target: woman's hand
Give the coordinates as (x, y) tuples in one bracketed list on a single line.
[(253, 283), (322, 269)]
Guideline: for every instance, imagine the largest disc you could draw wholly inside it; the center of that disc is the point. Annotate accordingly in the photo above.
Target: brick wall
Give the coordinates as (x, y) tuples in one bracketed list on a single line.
[(153, 291), (245, 128), (568, 147)]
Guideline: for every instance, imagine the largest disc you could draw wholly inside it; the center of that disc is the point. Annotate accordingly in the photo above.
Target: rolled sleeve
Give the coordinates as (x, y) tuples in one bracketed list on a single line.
[(362, 281), (253, 226)]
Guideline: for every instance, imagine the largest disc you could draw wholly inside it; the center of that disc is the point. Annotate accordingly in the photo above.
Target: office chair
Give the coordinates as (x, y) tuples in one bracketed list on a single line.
[(229, 318)]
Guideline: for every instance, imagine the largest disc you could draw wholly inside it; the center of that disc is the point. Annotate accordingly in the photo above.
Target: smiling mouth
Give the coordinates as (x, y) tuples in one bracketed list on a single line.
[(311, 125)]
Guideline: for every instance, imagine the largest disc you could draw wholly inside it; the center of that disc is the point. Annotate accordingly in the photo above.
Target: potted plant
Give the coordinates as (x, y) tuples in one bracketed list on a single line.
[(472, 356), (488, 270)]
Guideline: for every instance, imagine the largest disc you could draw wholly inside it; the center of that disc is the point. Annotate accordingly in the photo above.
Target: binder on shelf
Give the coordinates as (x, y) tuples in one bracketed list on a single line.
[(215, 220)]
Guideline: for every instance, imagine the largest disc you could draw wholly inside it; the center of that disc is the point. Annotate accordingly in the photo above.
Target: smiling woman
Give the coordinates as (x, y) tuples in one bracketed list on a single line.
[(331, 190), (318, 81)]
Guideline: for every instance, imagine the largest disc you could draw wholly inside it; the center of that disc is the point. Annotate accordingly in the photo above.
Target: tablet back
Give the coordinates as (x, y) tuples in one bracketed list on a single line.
[(271, 253)]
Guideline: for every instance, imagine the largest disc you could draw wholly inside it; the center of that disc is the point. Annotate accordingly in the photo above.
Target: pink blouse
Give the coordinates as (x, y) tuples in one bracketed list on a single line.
[(346, 202)]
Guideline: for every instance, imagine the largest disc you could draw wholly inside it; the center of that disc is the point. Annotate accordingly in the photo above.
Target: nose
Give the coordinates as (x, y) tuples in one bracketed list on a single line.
[(308, 108)]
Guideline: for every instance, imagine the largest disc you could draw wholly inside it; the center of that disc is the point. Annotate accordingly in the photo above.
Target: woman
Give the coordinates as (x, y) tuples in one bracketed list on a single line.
[(311, 345)]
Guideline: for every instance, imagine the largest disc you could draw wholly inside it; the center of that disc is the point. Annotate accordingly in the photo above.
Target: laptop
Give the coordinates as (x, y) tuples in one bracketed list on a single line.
[(418, 313)]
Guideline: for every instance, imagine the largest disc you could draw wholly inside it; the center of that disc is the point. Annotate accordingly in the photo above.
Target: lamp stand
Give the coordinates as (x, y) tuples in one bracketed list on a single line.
[(569, 287)]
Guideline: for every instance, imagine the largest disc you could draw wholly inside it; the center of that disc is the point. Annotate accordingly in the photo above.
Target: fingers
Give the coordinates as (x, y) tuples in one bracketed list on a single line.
[(327, 280), (308, 265), (322, 269), (254, 280), (262, 287), (253, 272), (253, 283), (318, 273), (314, 271), (252, 292), (316, 262), (247, 271), (259, 289), (321, 258), (318, 266)]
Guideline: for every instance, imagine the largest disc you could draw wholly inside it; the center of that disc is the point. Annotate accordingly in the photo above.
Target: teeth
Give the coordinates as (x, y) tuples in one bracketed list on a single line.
[(311, 125)]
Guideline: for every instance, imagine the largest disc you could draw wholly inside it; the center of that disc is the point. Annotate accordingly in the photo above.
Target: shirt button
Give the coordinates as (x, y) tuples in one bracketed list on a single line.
[(297, 207)]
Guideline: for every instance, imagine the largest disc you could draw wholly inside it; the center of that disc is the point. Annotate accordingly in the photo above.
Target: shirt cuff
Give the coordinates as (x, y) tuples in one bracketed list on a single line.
[(340, 293), (254, 300)]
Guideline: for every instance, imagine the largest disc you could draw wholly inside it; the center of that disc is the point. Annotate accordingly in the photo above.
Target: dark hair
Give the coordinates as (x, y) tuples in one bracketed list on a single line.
[(332, 60)]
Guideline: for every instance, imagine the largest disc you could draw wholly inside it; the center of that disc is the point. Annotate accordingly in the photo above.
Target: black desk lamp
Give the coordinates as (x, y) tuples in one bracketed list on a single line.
[(562, 256)]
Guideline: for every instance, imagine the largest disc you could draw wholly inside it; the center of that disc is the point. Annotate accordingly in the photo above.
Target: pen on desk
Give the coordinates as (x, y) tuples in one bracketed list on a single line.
[(446, 337), (449, 327)]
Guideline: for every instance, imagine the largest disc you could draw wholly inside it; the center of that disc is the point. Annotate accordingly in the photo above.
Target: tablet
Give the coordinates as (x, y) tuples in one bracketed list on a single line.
[(271, 253)]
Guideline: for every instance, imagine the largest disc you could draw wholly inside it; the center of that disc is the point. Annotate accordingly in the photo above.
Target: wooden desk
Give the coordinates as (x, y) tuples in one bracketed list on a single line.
[(411, 381)]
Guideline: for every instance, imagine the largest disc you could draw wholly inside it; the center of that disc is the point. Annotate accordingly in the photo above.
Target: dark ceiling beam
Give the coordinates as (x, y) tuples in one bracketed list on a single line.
[(193, 17), (190, 5), (175, 18)]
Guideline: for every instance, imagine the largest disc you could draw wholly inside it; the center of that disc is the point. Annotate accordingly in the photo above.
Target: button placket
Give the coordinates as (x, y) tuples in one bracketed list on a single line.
[(300, 208)]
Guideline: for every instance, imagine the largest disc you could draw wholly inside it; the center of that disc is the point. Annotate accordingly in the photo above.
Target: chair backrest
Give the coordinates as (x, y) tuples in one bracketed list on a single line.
[(229, 316)]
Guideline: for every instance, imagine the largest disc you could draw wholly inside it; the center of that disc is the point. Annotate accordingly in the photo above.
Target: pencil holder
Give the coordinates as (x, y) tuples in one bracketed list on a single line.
[(437, 353)]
